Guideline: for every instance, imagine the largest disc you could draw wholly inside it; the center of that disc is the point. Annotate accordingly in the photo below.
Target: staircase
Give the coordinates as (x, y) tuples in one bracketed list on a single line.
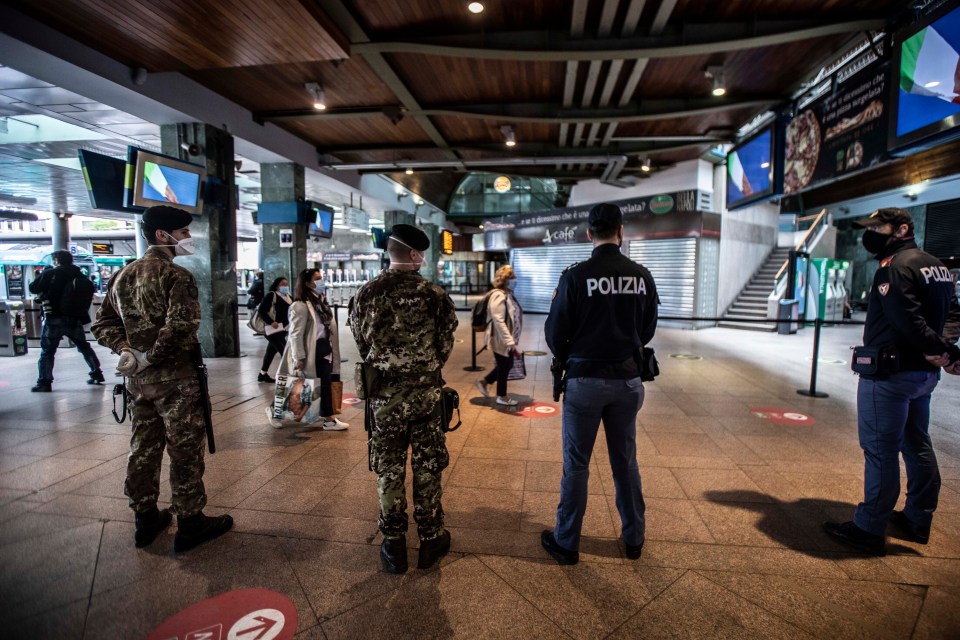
[(751, 304)]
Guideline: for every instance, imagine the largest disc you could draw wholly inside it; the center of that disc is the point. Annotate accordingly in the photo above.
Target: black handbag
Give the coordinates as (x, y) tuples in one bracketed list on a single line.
[(874, 361)]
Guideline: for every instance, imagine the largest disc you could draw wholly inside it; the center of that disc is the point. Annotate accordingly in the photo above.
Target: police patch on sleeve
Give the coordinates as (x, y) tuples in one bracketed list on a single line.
[(193, 292), (884, 288)]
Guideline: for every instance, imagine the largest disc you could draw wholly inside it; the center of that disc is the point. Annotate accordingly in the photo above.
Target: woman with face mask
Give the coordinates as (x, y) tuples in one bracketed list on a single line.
[(274, 310), (506, 324), (313, 346)]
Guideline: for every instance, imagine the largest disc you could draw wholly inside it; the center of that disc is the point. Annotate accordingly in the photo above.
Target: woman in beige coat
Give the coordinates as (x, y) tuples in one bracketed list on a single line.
[(506, 323), (313, 345)]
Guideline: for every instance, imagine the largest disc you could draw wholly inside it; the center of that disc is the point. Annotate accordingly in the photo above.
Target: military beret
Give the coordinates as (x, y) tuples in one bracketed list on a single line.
[(604, 217), (166, 218), (411, 236)]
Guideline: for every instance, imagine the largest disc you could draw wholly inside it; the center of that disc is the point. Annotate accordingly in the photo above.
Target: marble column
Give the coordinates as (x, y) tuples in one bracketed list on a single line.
[(214, 265), (282, 182), (138, 235)]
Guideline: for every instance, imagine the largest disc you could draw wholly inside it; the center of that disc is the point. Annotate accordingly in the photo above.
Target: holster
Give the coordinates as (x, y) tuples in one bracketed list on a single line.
[(875, 362), (647, 364), (559, 378)]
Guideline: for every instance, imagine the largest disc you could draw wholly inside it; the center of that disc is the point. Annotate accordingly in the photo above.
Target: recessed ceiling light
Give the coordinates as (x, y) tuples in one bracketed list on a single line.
[(319, 97), (645, 165), (409, 171), (475, 7)]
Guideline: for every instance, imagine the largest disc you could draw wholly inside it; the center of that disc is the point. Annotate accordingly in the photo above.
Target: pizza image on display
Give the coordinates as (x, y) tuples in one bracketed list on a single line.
[(803, 149), (872, 111), (854, 155)]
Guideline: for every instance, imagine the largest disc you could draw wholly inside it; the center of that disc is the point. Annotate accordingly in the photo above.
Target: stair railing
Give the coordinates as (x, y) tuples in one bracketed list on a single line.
[(784, 281)]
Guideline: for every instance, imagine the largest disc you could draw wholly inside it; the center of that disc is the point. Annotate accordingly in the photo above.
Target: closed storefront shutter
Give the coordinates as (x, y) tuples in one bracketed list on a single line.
[(673, 265), (538, 270), (942, 237)]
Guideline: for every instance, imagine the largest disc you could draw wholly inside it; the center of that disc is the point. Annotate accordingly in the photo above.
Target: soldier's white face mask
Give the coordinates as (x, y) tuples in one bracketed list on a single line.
[(185, 247)]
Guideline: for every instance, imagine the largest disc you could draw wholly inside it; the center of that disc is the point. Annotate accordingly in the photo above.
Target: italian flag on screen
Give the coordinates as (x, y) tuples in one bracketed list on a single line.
[(929, 66), (737, 176)]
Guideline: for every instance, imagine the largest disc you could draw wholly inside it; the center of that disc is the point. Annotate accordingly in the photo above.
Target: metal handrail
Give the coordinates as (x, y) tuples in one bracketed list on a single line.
[(803, 243)]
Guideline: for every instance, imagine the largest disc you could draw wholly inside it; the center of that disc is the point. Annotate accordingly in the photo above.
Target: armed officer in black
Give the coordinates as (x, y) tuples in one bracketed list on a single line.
[(914, 320), (603, 312)]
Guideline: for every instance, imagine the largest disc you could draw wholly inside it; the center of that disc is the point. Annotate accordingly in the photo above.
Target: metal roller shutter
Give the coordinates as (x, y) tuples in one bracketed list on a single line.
[(673, 265), (538, 271)]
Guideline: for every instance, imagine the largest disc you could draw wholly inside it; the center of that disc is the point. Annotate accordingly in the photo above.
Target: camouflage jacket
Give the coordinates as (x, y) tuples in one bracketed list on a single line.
[(403, 324), (152, 305)]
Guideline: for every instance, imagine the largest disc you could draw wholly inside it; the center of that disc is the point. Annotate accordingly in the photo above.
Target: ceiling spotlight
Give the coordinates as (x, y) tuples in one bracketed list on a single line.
[(419, 201), (716, 75), (475, 7), (409, 171), (509, 136), (316, 92), (645, 165)]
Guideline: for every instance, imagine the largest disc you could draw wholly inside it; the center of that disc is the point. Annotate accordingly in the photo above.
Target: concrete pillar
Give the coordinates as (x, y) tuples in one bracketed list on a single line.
[(138, 235), (214, 265), (60, 231), (282, 182)]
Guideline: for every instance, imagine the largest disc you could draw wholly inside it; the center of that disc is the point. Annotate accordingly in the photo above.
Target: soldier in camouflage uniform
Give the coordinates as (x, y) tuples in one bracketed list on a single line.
[(150, 317), (404, 325)]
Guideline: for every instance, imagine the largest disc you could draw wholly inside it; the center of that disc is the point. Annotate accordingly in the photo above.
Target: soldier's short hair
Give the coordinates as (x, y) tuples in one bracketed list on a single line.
[(63, 258)]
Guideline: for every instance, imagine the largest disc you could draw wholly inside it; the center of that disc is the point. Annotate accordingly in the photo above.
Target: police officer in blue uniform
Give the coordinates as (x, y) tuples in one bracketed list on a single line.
[(913, 321), (603, 312)]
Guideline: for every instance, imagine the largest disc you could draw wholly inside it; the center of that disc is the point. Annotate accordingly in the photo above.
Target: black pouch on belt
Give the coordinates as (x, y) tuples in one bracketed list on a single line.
[(875, 361)]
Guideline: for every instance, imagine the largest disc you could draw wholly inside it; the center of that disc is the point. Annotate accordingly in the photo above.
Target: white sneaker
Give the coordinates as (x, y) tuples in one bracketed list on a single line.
[(334, 425), (276, 424), (507, 401), (482, 387)]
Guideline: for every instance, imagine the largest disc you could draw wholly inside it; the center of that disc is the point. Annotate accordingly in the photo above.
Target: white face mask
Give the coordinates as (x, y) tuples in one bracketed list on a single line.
[(185, 247), (418, 264)]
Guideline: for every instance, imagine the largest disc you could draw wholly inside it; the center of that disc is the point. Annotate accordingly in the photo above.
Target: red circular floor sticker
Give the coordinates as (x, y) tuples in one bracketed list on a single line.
[(245, 614), (351, 399), (531, 410), (779, 415)]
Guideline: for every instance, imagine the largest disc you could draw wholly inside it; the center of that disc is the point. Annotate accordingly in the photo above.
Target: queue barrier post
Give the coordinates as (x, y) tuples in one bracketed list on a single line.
[(473, 353), (812, 391)]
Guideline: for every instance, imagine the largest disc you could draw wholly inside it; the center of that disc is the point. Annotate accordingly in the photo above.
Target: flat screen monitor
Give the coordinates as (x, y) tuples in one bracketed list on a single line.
[(926, 87), (379, 237), (104, 178), (322, 225), (161, 179), (750, 170)]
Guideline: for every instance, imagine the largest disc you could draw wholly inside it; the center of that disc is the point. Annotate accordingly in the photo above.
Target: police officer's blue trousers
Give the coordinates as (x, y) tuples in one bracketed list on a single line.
[(893, 417), (588, 401), (54, 330)]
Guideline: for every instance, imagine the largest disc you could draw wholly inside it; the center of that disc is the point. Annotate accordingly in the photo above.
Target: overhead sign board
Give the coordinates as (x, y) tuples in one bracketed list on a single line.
[(101, 248)]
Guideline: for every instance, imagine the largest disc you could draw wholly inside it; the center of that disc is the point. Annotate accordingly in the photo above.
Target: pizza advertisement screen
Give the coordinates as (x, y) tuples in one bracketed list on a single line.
[(839, 134), (750, 170), (927, 65)]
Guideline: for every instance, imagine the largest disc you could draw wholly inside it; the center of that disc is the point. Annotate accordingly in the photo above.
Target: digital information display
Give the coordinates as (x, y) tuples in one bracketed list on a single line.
[(749, 170), (168, 184)]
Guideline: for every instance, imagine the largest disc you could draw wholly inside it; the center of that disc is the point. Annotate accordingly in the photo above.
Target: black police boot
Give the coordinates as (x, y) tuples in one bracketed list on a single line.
[(198, 529), (850, 534), (149, 525), (42, 387), (433, 550), (910, 531), (96, 377), (393, 554), (561, 555), (633, 550)]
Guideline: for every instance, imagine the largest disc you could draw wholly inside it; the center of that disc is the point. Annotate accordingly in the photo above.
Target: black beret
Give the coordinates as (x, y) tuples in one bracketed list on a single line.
[(166, 218), (411, 236), (605, 217)]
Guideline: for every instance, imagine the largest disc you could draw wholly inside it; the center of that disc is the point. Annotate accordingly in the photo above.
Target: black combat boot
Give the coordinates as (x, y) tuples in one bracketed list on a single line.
[(149, 525), (912, 532), (433, 550), (42, 387), (850, 534), (393, 554), (198, 529), (96, 377)]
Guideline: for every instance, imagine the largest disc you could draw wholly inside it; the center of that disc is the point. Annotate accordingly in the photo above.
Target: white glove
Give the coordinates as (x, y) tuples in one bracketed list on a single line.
[(132, 362)]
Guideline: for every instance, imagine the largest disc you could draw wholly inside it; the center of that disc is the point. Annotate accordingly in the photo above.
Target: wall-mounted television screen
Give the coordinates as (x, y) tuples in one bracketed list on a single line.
[(322, 225), (750, 170), (104, 178), (926, 87), (379, 238), (161, 179)]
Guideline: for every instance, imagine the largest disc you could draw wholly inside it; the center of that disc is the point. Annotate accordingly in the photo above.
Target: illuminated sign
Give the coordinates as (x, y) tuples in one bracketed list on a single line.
[(102, 248), (446, 238), (502, 184)]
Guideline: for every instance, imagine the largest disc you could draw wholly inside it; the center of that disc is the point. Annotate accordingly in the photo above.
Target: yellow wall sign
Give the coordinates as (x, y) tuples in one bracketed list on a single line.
[(447, 241), (502, 184)]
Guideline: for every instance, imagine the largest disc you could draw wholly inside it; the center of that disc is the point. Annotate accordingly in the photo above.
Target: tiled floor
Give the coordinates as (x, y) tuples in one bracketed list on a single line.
[(735, 505)]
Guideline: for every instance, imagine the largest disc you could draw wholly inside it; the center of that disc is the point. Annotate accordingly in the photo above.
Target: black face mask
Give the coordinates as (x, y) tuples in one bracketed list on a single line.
[(874, 241)]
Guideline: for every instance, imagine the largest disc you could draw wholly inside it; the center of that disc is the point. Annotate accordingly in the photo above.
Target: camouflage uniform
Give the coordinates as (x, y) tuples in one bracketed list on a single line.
[(404, 325), (152, 305)]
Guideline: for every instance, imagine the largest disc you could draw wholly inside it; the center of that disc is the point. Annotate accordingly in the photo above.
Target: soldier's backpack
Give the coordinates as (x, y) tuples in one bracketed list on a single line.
[(76, 298), (479, 319)]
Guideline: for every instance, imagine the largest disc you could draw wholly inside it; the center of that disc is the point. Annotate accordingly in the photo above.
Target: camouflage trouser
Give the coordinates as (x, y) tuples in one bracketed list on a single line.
[(406, 417), (166, 413)]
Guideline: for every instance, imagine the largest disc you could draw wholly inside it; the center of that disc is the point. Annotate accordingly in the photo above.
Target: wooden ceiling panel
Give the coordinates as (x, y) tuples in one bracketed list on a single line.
[(414, 18), (175, 35), (339, 133), (395, 156), (446, 80), (692, 126), (742, 10), (278, 87), (484, 131)]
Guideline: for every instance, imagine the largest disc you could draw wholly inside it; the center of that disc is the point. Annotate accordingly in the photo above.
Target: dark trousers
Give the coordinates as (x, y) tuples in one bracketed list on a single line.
[(276, 343), (324, 374), (54, 329), (500, 373)]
